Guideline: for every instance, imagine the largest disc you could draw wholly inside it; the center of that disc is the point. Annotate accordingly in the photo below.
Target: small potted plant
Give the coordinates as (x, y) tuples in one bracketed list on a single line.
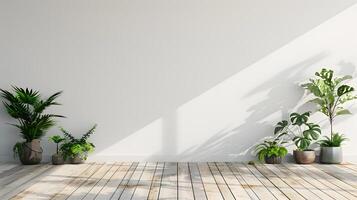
[(302, 133), (332, 149), (271, 151), (57, 159), (77, 149), (330, 94), (27, 107)]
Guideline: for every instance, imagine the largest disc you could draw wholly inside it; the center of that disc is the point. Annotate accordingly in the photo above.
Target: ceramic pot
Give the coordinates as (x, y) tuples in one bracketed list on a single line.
[(273, 160), (331, 155), (304, 157), (57, 159), (31, 153), (76, 160)]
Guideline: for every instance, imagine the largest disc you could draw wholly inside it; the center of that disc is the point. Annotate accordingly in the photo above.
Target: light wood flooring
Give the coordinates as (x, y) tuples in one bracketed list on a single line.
[(213, 180)]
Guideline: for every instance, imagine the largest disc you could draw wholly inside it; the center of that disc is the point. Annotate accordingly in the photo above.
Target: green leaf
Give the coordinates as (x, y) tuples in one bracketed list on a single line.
[(297, 119), (344, 89), (280, 126), (343, 112)]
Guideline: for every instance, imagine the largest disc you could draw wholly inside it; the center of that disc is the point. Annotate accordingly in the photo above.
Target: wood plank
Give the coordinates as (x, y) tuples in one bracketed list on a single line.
[(319, 182), (258, 188), (300, 188), (278, 183), (168, 188), (337, 184), (185, 190), (92, 194), (235, 186), (120, 188), (133, 182), (275, 191), (221, 183), (156, 182), (7, 166), (143, 188), (211, 188), (13, 174), (73, 185), (197, 185), (22, 181), (88, 184), (54, 181), (110, 187), (343, 174), (243, 183), (302, 182)]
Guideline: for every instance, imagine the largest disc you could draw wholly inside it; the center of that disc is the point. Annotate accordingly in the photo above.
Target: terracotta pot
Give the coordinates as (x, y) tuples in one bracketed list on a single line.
[(57, 159), (31, 153), (76, 160), (273, 160), (304, 157)]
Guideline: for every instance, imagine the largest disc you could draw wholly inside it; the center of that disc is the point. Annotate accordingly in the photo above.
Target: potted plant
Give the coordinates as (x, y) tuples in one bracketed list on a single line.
[(77, 149), (271, 151), (27, 107), (302, 133), (57, 159), (332, 149), (330, 94)]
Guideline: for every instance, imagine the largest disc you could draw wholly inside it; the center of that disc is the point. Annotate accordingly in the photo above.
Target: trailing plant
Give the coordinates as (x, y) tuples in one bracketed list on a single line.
[(335, 141), (77, 147), (57, 139), (271, 148), (331, 93), (299, 130), (27, 107)]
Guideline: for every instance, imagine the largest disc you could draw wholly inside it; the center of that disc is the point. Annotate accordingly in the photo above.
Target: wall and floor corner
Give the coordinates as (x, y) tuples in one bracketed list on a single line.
[(174, 80)]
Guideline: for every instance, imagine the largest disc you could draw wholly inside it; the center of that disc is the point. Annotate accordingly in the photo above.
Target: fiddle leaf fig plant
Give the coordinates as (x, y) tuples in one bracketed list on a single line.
[(299, 130), (331, 94)]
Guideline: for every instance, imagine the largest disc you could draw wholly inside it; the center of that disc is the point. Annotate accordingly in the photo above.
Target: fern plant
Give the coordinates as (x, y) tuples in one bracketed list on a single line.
[(299, 130), (77, 147), (335, 141), (271, 148), (331, 94)]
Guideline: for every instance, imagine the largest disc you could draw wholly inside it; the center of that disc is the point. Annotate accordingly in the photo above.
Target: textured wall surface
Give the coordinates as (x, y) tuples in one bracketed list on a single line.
[(174, 80)]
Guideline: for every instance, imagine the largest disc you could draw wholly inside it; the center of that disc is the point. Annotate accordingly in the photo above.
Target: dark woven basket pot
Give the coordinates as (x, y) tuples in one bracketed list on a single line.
[(31, 153), (273, 160)]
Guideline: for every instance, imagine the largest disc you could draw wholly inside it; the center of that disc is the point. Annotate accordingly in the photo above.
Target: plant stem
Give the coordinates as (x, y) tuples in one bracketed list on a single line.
[(57, 148)]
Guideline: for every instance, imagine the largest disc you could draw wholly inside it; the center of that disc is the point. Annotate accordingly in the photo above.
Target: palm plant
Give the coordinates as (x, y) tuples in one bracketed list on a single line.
[(330, 94), (27, 107), (57, 139)]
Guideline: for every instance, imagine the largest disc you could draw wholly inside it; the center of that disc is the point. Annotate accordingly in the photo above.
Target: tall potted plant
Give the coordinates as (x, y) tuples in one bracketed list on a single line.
[(27, 107), (331, 94), (302, 132)]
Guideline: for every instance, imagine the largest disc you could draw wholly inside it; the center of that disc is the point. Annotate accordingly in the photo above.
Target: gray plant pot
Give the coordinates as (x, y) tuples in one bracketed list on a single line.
[(57, 159), (331, 155), (31, 153)]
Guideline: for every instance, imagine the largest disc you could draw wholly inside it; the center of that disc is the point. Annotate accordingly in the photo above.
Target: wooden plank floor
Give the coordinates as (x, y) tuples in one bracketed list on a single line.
[(213, 180)]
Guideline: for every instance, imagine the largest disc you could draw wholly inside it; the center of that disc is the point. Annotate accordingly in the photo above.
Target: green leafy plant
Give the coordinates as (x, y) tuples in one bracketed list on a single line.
[(330, 94), (79, 147), (299, 130), (27, 107), (335, 141), (271, 148), (57, 139)]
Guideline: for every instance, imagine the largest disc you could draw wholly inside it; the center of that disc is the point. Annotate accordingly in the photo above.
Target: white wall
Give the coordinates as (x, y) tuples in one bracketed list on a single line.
[(174, 80)]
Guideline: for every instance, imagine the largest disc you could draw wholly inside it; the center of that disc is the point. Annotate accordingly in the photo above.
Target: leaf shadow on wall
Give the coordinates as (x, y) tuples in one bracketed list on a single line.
[(238, 142)]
